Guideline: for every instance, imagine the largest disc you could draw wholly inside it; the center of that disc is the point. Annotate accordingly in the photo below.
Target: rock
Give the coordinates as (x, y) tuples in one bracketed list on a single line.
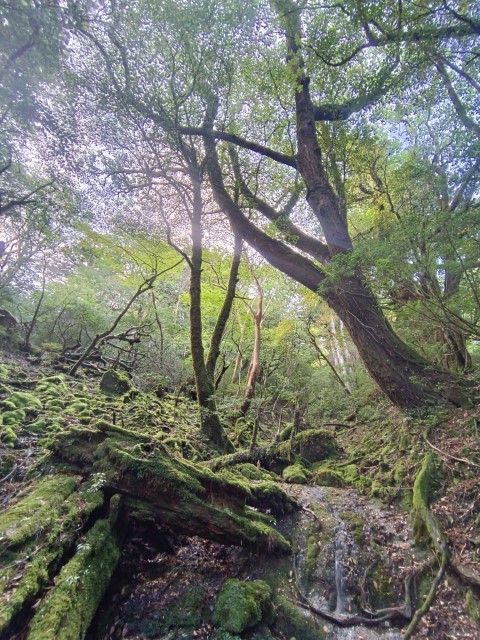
[(295, 474), (315, 444), (115, 383), (328, 478), (242, 605)]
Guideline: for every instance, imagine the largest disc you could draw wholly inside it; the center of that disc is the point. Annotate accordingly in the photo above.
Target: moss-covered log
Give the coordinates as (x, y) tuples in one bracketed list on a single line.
[(36, 535), (169, 490), (68, 609)]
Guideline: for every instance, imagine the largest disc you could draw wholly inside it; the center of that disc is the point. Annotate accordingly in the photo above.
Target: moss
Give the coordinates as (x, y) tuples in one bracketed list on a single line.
[(252, 472), (35, 511), (4, 372), (187, 611), (78, 406), (39, 426), (52, 387), (379, 586), (8, 437), (270, 496), (350, 473), (378, 490), (36, 533), (292, 622), (316, 444), (7, 460), (472, 603), (295, 474), (242, 605), (68, 609), (221, 634), (27, 401), (14, 418), (328, 478), (115, 383), (356, 524), (55, 403), (311, 555), (424, 486), (8, 405)]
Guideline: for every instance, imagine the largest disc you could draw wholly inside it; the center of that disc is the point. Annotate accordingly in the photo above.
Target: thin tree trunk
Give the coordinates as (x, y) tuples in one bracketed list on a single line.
[(255, 360), (209, 419), (33, 322), (223, 316)]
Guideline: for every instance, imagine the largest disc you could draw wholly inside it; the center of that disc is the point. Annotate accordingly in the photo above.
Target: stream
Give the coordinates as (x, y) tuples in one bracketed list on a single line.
[(349, 556)]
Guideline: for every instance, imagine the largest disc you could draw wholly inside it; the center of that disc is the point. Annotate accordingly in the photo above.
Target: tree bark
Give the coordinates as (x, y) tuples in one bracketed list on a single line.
[(405, 377), (209, 419)]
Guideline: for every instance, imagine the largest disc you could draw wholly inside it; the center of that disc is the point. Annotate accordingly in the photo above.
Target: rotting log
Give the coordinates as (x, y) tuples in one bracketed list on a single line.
[(58, 533), (36, 536), (159, 487)]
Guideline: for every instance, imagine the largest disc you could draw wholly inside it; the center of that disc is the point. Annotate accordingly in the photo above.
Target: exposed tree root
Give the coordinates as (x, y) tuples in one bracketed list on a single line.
[(371, 619), (426, 525)]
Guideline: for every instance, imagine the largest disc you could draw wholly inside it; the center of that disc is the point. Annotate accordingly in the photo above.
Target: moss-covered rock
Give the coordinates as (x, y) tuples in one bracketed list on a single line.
[(328, 478), (242, 605), (8, 437), (14, 418), (26, 401), (115, 383), (295, 474), (36, 534), (316, 444)]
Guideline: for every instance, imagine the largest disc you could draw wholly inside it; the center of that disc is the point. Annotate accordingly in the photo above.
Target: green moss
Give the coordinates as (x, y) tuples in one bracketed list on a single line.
[(242, 605), (52, 386), (472, 603), (8, 405), (311, 555), (26, 401), (4, 372), (115, 383), (14, 418), (270, 496), (295, 474), (379, 586), (54, 403), (252, 472), (35, 535), (328, 478), (293, 622), (316, 444), (68, 609), (378, 490), (39, 426), (425, 484), (8, 437), (356, 525), (350, 473), (35, 511), (221, 634)]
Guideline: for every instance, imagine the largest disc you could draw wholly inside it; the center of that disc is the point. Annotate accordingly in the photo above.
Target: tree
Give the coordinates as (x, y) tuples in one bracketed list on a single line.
[(215, 88)]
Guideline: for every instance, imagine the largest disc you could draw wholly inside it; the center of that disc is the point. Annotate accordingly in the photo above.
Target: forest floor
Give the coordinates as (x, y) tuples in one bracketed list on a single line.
[(166, 578)]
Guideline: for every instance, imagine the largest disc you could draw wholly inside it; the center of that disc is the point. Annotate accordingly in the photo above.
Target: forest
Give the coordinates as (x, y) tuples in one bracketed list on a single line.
[(239, 319)]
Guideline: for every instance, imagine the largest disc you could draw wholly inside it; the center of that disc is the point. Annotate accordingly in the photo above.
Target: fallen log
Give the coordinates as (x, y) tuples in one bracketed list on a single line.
[(58, 532)]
